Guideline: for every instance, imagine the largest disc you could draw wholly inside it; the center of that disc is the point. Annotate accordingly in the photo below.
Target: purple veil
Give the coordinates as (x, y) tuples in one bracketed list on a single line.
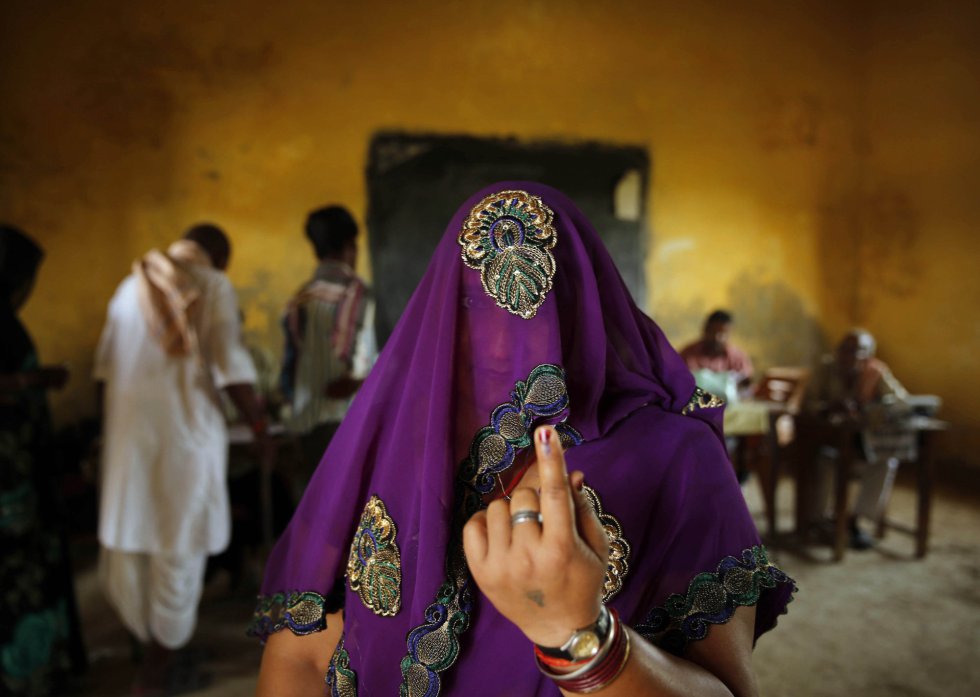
[(520, 319)]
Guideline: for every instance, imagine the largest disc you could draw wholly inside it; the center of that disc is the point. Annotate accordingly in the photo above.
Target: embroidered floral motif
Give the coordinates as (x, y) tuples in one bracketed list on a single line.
[(374, 567), (340, 679), (619, 548), (508, 237), (433, 647), (542, 395), (701, 399), (303, 612), (712, 598), (568, 436)]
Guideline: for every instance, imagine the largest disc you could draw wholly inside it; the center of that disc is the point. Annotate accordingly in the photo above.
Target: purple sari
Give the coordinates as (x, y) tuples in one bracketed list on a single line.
[(521, 319)]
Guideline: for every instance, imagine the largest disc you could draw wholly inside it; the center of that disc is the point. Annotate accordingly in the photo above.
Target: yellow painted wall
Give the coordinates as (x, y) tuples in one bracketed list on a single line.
[(919, 288), (124, 122)]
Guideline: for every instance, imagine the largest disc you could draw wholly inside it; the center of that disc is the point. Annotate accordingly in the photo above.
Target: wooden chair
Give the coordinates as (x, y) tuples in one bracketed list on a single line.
[(923, 422), (842, 435), (784, 388)]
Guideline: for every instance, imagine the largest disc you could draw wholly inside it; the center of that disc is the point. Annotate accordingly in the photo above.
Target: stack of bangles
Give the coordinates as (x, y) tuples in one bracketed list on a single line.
[(591, 674)]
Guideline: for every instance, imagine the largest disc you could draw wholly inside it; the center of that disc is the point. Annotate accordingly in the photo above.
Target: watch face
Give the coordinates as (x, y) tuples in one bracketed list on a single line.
[(584, 645)]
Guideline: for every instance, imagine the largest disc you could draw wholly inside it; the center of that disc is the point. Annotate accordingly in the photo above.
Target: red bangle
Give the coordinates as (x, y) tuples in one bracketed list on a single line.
[(553, 662), (606, 668)]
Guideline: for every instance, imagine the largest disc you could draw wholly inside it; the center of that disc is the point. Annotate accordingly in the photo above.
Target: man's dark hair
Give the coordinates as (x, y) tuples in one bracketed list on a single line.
[(19, 258), (719, 317), (330, 229), (213, 240)]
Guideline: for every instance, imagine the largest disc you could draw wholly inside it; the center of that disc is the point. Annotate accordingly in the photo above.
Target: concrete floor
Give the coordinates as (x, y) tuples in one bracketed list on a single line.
[(880, 623)]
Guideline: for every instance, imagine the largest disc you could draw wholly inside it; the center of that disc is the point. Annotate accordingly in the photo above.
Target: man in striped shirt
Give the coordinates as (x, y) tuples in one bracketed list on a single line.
[(330, 340)]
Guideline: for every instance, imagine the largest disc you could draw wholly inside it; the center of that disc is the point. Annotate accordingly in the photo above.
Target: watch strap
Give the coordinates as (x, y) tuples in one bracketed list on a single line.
[(600, 628)]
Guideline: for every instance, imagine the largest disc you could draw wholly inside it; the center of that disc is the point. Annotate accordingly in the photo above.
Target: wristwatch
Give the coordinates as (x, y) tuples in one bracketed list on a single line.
[(585, 642)]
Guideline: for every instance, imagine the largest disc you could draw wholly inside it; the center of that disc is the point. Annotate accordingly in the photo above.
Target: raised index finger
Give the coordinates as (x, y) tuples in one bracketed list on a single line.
[(557, 510)]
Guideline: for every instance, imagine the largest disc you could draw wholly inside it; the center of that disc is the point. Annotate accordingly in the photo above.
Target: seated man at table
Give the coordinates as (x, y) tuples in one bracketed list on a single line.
[(853, 384), (721, 369), (713, 352)]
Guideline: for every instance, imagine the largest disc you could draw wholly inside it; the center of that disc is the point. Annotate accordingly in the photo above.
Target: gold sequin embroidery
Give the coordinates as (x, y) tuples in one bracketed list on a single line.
[(302, 612), (434, 646), (701, 399), (341, 680), (712, 598), (508, 237), (619, 548), (374, 567)]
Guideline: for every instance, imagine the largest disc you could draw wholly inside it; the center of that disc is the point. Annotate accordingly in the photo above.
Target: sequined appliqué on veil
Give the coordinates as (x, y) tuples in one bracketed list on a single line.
[(508, 237), (374, 567)]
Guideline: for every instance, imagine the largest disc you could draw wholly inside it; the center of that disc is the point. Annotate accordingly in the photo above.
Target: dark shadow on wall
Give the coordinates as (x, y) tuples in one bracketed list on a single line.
[(416, 182), (782, 331), (868, 251), (837, 254)]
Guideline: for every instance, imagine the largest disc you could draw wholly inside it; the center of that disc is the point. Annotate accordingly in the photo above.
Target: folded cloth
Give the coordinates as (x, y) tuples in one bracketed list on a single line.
[(168, 292)]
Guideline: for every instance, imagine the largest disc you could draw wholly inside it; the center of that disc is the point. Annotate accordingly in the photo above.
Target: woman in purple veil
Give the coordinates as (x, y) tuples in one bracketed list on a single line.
[(441, 548)]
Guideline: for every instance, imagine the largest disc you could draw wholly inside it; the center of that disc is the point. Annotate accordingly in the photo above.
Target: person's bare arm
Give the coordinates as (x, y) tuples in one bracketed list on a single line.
[(720, 664), (11, 383), (342, 388), (294, 666), (246, 402), (52, 377)]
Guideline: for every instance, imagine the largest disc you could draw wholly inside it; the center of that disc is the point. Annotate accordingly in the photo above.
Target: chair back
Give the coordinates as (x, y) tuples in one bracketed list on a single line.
[(785, 385)]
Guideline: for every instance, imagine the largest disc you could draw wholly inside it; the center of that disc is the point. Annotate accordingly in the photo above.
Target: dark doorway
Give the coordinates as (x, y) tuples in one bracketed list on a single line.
[(416, 182)]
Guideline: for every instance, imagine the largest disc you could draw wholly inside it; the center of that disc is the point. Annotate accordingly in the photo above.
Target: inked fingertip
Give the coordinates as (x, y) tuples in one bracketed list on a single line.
[(543, 434)]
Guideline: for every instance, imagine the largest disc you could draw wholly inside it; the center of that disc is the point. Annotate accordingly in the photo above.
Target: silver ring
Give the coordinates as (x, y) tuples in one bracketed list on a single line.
[(525, 517)]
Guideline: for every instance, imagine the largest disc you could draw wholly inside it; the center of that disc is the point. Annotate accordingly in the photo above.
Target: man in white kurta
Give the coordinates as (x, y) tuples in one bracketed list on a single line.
[(164, 502)]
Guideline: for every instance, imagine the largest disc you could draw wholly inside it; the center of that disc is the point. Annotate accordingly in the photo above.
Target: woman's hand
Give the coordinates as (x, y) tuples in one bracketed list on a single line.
[(544, 577)]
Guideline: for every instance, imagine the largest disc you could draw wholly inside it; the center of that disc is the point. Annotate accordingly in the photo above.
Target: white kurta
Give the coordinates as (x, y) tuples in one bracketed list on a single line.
[(165, 449)]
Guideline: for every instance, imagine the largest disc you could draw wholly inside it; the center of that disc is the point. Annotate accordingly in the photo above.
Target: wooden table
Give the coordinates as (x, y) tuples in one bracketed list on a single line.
[(842, 433), (240, 435), (754, 424)]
